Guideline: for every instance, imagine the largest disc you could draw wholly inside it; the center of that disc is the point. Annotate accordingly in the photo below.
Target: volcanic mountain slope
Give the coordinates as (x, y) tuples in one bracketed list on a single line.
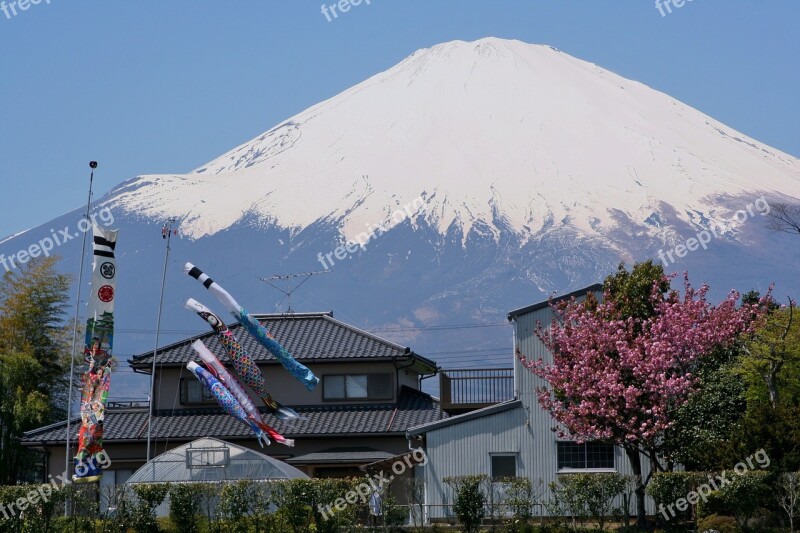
[(516, 169)]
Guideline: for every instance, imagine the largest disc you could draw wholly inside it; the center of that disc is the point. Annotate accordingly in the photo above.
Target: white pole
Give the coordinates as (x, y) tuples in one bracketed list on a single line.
[(166, 236), (92, 165)]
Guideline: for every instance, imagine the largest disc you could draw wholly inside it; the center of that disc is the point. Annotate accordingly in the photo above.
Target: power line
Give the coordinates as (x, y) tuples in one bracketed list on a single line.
[(194, 332)]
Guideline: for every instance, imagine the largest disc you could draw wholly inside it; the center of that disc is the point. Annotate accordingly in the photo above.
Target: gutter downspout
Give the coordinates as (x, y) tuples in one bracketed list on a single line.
[(514, 356), (423, 471)]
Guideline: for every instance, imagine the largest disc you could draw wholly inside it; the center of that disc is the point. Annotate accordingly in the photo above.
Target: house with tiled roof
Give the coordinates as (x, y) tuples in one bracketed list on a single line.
[(368, 396)]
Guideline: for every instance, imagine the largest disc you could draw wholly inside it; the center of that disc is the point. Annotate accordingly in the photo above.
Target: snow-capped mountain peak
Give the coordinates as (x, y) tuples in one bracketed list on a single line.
[(489, 131)]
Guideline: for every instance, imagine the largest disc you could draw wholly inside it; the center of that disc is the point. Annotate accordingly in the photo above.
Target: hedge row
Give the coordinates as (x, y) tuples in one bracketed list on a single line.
[(754, 500), (316, 505)]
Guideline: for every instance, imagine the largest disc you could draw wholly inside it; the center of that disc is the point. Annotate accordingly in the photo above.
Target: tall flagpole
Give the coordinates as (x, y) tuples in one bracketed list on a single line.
[(166, 233), (92, 165)]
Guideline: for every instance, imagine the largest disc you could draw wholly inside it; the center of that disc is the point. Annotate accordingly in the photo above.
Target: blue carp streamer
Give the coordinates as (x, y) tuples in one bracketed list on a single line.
[(254, 328)]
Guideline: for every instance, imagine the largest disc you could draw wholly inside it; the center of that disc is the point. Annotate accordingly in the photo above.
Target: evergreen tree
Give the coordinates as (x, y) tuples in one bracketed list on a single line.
[(34, 359)]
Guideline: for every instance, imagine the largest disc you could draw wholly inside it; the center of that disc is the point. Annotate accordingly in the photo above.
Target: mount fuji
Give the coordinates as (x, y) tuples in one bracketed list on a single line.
[(529, 172)]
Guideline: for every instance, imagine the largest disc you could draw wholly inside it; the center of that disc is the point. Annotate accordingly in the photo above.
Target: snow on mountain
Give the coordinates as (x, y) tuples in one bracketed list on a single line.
[(510, 134)]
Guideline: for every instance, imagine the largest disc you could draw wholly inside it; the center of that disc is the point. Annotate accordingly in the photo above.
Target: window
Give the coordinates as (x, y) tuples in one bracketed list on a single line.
[(589, 455), (193, 392), (357, 387), (504, 466), (219, 457)]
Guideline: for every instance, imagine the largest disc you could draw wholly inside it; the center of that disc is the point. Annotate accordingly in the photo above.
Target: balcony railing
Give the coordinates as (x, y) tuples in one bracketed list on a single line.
[(128, 404), (470, 389)]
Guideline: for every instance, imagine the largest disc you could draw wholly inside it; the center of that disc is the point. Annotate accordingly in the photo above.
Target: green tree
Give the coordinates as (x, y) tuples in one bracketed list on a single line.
[(772, 357), (631, 291), (770, 368), (701, 437), (33, 359)]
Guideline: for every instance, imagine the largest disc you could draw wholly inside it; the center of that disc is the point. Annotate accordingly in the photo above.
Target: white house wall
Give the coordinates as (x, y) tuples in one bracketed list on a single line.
[(464, 449)]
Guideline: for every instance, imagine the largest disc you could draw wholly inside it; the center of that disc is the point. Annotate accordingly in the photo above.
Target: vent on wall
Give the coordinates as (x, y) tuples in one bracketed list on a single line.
[(218, 457)]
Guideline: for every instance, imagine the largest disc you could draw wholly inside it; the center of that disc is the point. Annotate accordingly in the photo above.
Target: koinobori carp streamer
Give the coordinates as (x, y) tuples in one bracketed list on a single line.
[(245, 367), (254, 328), (231, 405), (91, 458)]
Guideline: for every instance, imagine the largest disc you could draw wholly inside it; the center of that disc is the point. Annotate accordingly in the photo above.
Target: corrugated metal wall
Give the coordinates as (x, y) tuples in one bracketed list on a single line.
[(466, 448)]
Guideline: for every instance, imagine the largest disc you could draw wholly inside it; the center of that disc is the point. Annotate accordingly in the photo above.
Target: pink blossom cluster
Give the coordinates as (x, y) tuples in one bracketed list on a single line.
[(620, 378)]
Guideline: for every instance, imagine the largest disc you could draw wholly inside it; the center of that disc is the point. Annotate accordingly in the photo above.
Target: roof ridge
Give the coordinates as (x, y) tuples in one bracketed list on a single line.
[(406, 349), (595, 287), (313, 314), (308, 336), (50, 426)]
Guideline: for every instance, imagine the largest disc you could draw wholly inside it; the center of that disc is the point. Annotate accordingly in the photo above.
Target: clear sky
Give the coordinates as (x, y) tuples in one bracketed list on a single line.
[(164, 86)]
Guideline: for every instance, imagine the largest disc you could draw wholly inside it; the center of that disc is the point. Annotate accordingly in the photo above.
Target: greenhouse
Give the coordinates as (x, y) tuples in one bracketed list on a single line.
[(213, 460)]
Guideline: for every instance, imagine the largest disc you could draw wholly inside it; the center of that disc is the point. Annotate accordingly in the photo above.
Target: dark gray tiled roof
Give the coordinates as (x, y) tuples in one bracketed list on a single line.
[(307, 336), (413, 408), (341, 455)]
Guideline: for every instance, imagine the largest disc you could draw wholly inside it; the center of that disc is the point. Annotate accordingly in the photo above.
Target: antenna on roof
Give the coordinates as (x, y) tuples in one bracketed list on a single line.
[(288, 279)]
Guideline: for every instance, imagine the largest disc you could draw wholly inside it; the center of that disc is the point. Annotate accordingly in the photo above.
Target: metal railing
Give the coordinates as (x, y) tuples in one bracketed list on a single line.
[(475, 388), (128, 404)]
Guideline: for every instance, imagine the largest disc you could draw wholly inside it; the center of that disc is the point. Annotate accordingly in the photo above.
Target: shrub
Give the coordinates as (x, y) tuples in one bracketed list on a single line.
[(393, 514), (148, 497), (599, 491), (208, 496), (237, 501), (469, 500), (520, 497), (721, 524), (742, 498), (668, 487), (301, 503), (184, 506), (586, 495)]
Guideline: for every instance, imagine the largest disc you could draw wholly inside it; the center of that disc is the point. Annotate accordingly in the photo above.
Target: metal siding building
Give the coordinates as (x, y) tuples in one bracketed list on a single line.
[(464, 445)]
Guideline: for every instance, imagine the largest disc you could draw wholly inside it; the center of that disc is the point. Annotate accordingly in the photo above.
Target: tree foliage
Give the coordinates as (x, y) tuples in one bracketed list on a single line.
[(769, 368), (622, 367), (33, 358), (469, 500)]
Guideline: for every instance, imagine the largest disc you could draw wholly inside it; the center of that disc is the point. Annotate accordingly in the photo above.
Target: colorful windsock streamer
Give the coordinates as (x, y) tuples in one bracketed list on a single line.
[(254, 328), (217, 369), (91, 457), (245, 367), (231, 405)]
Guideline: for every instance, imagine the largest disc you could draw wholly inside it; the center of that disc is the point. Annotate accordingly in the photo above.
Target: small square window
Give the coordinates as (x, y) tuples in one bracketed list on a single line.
[(334, 387), (504, 466), (380, 386), (356, 386), (193, 392)]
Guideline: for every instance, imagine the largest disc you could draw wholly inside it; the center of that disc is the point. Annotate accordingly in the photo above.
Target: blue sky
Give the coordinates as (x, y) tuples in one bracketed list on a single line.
[(159, 87)]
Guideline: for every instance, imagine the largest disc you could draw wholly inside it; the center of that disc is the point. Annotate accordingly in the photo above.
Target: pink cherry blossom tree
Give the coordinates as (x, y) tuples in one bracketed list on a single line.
[(618, 379)]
